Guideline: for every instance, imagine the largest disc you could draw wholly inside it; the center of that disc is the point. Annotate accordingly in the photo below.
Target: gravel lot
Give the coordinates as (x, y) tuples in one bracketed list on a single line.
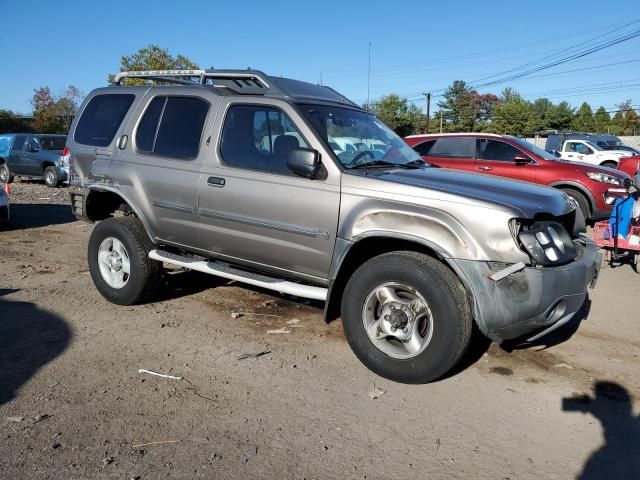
[(74, 405)]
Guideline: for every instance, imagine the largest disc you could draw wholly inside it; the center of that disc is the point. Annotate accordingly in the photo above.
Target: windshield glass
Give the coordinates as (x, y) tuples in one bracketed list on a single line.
[(594, 146), (534, 149), (358, 139)]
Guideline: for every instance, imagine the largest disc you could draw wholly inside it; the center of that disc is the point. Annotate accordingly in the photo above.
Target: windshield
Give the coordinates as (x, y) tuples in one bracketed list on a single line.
[(534, 149), (594, 146), (358, 139)]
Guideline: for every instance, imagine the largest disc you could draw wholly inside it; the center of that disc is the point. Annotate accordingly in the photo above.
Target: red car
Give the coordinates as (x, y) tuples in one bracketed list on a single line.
[(595, 188), (630, 165)]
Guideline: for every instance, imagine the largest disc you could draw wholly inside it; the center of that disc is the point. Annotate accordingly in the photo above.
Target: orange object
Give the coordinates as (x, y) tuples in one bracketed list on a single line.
[(7, 188)]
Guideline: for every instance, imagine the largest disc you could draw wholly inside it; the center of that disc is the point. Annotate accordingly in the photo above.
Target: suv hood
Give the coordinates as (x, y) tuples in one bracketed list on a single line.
[(527, 198)]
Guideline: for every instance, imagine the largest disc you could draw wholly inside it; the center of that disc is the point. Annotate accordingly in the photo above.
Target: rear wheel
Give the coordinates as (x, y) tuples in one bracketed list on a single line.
[(119, 261), (582, 201), (51, 177), (406, 316)]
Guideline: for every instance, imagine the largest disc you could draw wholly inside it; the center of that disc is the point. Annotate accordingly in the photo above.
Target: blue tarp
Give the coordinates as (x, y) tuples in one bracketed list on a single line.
[(622, 213), (5, 145)]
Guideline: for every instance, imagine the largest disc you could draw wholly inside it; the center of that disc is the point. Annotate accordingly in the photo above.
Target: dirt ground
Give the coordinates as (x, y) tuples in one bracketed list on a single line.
[(74, 405)]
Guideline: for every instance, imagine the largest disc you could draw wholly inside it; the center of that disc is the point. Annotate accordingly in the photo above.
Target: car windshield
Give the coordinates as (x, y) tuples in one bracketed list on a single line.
[(358, 139), (594, 146), (534, 149)]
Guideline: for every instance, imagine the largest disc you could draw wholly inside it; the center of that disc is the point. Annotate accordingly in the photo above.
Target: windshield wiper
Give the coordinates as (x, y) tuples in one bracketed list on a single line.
[(385, 164)]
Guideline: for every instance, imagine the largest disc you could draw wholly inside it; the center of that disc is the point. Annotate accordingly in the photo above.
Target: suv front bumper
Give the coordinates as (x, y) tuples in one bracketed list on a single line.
[(533, 299)]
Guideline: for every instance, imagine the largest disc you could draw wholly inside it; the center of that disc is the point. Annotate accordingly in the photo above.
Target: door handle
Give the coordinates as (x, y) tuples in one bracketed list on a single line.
[(215, 182), (484, 167)]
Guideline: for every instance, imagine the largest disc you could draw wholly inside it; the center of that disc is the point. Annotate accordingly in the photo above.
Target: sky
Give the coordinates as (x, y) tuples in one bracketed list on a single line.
[(416, 45)]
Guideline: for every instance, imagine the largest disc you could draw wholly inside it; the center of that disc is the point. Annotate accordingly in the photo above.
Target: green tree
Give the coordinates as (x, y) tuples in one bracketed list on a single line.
[(583, 120), (601, 120), (561, 116), (541, 112), (457, 106), (512, 114), (152, 57), (403, 117)]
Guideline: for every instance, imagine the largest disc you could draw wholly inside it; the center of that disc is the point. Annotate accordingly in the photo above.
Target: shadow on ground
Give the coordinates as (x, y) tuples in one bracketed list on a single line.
[(611, 405), (29, 338), (34, 215)]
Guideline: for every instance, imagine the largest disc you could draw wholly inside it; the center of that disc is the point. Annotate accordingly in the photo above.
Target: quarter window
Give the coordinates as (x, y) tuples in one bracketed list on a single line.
[(172, 127), (259, 138), (462, 147), (496, 150), (424, 147), (101, 119)]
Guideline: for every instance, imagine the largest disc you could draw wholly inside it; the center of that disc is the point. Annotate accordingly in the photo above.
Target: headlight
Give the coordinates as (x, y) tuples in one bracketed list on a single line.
[(548, 243), (603, 178)]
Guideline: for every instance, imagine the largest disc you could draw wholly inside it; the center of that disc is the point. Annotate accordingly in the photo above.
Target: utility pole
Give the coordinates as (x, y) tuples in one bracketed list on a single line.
[(369, 81), (428, 109)]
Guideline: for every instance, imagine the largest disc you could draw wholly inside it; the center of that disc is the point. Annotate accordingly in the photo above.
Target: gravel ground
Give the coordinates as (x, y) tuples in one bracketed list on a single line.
[(74, 405)]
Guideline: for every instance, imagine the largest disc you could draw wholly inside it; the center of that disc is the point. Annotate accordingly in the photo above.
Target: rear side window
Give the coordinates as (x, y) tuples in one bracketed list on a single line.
[(424, 147), (172, 127), (101, 119), (454, 147)]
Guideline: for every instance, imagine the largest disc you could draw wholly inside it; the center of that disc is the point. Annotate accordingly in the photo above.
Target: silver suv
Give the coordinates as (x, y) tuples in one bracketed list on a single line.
[(292, 187)]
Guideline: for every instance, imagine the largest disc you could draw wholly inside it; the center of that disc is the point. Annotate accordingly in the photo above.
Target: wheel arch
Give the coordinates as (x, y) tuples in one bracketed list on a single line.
[(578, 188), (349, 255), (102, 203), (46, 164), (610, 160)]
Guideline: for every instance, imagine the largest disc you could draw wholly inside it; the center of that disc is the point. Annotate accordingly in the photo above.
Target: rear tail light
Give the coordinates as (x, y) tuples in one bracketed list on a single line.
[(65, 158)]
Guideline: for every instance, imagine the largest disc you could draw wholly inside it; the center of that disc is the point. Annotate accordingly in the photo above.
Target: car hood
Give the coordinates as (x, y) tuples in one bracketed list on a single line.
[(524, 197)]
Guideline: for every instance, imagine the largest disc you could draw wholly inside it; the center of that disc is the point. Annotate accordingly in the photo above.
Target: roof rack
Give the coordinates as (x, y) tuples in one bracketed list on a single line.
[(240, 81)]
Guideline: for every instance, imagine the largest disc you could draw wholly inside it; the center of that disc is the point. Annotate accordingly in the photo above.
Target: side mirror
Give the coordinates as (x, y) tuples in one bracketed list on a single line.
[(305, 162), (521, 160), (557, 153), (32, 148)]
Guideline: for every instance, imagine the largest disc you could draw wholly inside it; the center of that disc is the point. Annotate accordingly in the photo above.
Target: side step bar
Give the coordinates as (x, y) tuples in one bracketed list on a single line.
[(223, 270)]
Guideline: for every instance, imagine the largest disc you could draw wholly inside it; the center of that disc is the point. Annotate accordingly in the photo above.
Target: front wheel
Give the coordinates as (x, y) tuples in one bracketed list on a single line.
[(581, 200), (406, 316), (5, 174), (610, 164), (119, 261)]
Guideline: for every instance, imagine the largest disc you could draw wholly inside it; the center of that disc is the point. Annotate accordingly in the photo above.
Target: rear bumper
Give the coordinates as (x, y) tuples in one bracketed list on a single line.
[(533, 299)]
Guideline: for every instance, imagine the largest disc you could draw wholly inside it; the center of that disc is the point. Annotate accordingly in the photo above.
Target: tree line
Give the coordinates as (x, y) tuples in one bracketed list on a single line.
[(461, 109)]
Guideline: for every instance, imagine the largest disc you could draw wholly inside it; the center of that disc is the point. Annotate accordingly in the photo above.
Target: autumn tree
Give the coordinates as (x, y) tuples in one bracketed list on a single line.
[(153, 57), (54, 114)]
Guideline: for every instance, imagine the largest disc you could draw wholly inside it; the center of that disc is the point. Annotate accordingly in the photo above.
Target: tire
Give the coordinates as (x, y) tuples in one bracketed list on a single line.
[(5, 174), (445, 327), (583, 203), (144, 274), (610, 164), (51, 179)]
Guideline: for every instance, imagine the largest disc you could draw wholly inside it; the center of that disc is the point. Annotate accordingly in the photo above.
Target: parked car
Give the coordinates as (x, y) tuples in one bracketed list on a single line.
[(511, 157), (4, 206), (622, 148), (556, 140), (176, 174), (593, 149), (38, 156), (630, 165)]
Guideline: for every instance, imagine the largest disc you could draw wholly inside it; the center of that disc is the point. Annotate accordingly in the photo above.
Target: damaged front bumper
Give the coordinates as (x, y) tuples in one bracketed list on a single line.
[(531, 299)]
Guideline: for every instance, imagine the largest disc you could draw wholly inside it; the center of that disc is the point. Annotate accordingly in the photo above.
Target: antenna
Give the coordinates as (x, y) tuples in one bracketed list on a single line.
[(369, 81)]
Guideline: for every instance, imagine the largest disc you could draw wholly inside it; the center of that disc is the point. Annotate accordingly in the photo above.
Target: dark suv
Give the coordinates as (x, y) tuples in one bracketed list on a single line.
[(31, 155), (594, 188)]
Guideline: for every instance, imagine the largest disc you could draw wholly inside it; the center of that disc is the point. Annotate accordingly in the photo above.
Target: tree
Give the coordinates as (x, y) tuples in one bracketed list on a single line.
[(153, 57), (512, 114), (601, 120), (541, 112), (457, 107), (483, 108), (53, 114), (11, 123), (403, 117), (561, 116), (583, 120)]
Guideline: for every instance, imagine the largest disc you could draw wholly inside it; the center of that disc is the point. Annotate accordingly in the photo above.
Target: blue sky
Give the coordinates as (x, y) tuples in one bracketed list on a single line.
[(417, 46)]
